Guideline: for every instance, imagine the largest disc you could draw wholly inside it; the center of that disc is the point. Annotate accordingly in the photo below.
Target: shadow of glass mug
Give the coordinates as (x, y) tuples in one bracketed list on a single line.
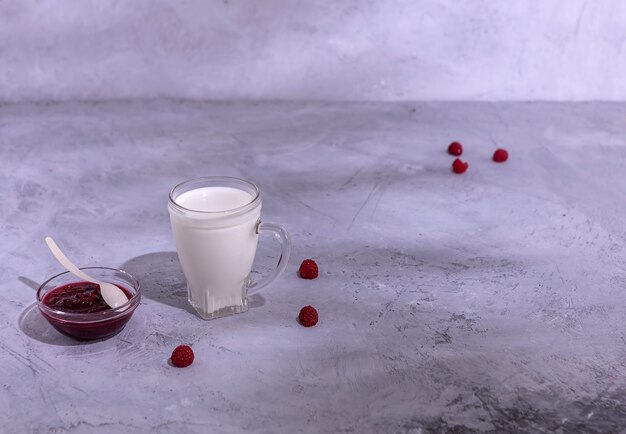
[(216, 222)]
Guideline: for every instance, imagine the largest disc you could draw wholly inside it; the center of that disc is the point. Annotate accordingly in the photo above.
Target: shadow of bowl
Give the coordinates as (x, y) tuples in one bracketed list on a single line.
[(35, 326)]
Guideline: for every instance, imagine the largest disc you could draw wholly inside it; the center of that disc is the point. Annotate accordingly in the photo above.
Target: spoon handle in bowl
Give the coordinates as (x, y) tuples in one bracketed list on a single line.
[(56, 251), (112, 295)]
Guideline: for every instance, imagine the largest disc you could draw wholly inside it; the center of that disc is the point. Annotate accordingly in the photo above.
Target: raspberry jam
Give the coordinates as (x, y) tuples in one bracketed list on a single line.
[(78, 297), (78, 310)]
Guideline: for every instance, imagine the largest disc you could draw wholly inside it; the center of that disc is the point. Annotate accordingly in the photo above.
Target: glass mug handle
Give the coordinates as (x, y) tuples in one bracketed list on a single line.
[(285, 251)]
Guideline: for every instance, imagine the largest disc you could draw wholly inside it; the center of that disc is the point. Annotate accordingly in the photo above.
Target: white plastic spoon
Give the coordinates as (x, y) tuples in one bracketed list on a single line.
[(112, 295)]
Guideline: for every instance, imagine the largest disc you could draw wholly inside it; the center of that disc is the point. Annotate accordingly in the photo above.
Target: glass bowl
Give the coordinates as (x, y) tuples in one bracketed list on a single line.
[(93, 325)]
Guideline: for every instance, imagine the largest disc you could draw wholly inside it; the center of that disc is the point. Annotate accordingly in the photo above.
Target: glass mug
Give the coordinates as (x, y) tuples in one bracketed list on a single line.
[(216, 224)]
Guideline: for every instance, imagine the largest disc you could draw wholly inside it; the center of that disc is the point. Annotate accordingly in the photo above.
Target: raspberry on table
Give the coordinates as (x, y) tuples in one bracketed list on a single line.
[(455, 148), (182, 356), (500, 156), (308, 269), (459, 166), (308, 316)]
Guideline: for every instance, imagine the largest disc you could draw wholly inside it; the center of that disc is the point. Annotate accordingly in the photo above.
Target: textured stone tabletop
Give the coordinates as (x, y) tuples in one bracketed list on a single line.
[(488, 301)]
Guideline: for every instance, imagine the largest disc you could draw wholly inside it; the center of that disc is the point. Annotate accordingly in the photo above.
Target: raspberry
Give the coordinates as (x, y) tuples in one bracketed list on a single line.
[(308, 316), (308, 269), (182, 356), (459, 166), (455, 148), (500, 156)]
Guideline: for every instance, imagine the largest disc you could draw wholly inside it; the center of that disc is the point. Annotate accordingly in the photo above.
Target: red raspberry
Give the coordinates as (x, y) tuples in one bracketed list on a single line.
[(182, 356), (500, 156), (455, 148), (308, 269), (459, 166), (308, 316)]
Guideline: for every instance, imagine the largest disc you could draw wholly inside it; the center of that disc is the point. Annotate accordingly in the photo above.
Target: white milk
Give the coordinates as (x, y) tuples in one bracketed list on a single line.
[(214, 199), (216, 247)]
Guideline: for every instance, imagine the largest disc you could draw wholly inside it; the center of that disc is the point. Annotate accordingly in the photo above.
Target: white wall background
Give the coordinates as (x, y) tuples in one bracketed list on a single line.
[(313, 49)]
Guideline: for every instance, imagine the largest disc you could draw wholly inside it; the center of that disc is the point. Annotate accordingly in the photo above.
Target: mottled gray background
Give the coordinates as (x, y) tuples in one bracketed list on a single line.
[(322, 49), (487, 302)]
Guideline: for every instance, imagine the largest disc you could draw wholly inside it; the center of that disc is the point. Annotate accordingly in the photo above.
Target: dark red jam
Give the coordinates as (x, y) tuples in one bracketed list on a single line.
[(78, 297)]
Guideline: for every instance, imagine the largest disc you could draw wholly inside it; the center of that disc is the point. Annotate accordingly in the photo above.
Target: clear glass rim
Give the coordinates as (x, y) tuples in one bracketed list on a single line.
[(216, 179), (94, 317)]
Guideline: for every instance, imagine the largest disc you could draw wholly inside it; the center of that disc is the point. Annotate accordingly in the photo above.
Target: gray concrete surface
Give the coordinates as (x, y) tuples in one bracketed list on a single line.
[(323, 49), (490, 301)]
